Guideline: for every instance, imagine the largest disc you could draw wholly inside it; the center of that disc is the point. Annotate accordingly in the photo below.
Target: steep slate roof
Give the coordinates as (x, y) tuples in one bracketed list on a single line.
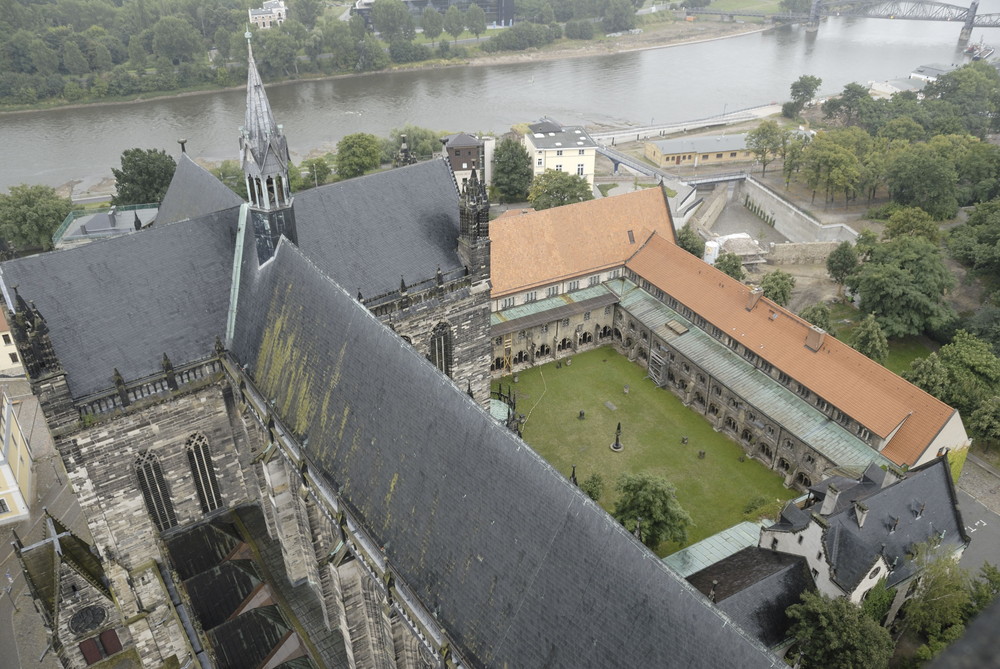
[(861, 388), (461, 140), (366, 232), (194, 192), (755, 587), (124, 302), (536, 248), (519, 566)]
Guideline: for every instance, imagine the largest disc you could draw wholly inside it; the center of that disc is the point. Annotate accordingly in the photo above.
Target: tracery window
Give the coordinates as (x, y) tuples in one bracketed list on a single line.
[(441, 348), (154, 489), (205, 481)]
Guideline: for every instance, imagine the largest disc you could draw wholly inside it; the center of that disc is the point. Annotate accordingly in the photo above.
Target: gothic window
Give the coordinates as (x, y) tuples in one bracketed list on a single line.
[(154, 490), (574, 285), (441, 352), (203, 471)]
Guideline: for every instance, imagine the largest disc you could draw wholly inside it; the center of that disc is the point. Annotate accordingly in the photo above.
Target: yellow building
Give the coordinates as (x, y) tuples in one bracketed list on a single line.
[(695, 151), (17, 480), (10, 362), (553, 147)]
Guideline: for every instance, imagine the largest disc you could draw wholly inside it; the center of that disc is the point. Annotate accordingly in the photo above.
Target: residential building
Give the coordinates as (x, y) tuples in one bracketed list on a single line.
[(466, 153), (17, 467), (10, 359), (564, 149), (695, 151), (273, 13)]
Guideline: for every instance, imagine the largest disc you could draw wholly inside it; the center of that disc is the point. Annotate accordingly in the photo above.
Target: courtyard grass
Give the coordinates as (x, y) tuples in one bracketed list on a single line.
[(715, 490)]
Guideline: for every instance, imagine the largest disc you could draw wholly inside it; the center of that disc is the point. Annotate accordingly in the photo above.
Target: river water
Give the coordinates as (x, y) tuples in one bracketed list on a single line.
[(658, 85)]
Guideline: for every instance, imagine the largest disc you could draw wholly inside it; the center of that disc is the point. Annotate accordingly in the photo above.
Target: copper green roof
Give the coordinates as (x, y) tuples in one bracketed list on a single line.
[(550, 309), (796, 416), (717, 547)]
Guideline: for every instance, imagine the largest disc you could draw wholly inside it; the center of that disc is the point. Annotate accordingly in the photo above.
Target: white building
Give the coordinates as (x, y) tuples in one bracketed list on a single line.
[(273, 13), (553, 147)]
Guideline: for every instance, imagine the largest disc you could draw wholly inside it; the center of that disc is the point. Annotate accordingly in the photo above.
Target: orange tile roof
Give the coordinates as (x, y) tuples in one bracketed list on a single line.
[(858, 386), (535, 248)]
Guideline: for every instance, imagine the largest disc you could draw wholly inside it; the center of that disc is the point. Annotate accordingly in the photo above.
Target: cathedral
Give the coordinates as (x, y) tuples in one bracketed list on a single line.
[(272, 413)]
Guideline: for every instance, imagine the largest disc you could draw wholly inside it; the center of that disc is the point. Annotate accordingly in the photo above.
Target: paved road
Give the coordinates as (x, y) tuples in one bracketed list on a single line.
[(979, 499)]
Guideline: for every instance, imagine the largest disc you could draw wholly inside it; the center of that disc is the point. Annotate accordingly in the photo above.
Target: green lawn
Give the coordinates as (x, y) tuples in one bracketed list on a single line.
[(714, 490), (766, 6), (902, 351)]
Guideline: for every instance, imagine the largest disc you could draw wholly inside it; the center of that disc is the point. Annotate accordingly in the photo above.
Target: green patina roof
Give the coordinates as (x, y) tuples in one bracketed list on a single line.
[(551, 308), (770, 398), (717, 547)]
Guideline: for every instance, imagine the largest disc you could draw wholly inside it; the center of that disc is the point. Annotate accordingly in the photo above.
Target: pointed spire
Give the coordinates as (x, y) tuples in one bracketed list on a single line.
[(259, 125)]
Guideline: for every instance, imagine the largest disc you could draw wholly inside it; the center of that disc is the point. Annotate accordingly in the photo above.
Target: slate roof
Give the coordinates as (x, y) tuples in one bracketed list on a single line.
[(852, 550), (755, 587), (851, 382), (536, 248), (194, 192), (461, 140), (124, 302), (710, 550), (366, 232), (521, 568)]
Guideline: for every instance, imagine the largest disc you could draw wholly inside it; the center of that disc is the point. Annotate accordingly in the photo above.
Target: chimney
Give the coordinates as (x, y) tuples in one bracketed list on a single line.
[(895, 524), (860, 512), (753, 298), (830, 501), (711, 593), (815, 337)]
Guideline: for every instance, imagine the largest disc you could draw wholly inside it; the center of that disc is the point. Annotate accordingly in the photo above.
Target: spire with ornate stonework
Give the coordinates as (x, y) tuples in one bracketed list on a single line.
[(264, 155)]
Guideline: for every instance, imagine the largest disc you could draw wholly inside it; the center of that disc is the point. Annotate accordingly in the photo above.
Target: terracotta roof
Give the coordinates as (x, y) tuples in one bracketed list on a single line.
[(536, 248), (865, 390)]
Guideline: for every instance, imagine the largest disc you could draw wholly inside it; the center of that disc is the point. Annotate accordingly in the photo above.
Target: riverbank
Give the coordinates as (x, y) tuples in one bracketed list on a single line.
[(658, 35)]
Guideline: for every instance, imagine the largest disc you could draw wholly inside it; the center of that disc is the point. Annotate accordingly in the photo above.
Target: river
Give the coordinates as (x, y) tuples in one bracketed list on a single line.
[(657, 85)]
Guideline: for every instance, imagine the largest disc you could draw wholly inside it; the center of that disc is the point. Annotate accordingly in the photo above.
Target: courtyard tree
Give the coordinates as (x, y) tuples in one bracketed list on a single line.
[(834, 633), (778, 286), (765, 143), (555, 188), (650, 503), (841, 263), (357, 154), (964, 373), (475, 20), (511, 171), (593, 486), (869, 340), (454, 21), (432, 22), (691, 241), (144, 176), (912, 221), (819, 315), (29, 215), (731, 264)]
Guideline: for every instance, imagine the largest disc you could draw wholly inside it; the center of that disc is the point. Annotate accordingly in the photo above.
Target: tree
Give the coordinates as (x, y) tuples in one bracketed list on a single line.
[(912, 221), (315, 171), (650, 503), (307, 11), (422, 142), (869, 340), (144, 176), (511, 171), (836, 634), (593, 486), (918, 177), (619, 16), (819, 315), (454, 22), (432, 22), (176, 40), (731, 264), (230, 173), (852, 105), (778, 286), (964, 373), (943, 597), (554, 188), (392, 19), (803, 89), (878, 601), (691, 241), (977, 242), (765, 142), (903, 284), (357, 154), (984, 423), (475, 20), (29, 215)]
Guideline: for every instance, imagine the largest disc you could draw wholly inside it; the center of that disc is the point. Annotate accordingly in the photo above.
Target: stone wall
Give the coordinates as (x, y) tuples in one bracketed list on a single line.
[(796, 224), (801, 253)]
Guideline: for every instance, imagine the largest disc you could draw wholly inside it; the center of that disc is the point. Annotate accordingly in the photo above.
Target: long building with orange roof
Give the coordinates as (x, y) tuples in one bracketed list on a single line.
[(796, 398)]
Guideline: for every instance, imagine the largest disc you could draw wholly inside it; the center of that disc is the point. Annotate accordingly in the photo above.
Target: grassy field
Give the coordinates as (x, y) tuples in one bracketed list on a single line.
[(715, 490), (902, 351)]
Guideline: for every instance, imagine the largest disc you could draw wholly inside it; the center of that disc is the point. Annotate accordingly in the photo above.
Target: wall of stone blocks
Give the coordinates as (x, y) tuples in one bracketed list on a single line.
[(544, 343), (803, 253)]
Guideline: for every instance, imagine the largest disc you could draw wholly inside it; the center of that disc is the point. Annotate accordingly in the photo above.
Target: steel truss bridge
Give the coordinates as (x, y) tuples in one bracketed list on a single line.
[(909, 10)]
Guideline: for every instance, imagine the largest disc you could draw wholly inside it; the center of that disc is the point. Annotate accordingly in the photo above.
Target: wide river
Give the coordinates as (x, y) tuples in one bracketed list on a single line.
[(658, 85)]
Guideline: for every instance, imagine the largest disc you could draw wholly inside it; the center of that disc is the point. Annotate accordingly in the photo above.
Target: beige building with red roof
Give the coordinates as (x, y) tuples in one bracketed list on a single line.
[(608, 271)]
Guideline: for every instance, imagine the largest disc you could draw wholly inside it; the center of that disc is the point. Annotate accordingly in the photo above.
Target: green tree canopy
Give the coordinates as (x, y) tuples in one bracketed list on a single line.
[(422, 142), (778, 286), (836, 634), (432, 22), (691, 241), (964, 373), (29, 215), (869, 339), (984, 423), (619, 16), (651, 503), (977, 242), (903, 284), (554, 188), (392, 19), (175, 39), (804, 88), (912, 221), (511, 171), (357, 154), (731, 264), (315, 171), (454, 21), (475, 20), (919, 177), (144, 176), (943, 598), (231, 174), (819, 315), (593, 486), (765, 142)]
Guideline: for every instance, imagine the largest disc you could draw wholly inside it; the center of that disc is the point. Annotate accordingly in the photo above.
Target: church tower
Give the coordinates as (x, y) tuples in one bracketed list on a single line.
[(474, 228), (264, 155)]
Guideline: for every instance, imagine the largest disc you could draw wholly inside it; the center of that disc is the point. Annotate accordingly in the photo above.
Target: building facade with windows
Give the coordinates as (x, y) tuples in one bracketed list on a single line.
[(564, 149), (10, 359), (272, 13), (17, 467), (695, 151)]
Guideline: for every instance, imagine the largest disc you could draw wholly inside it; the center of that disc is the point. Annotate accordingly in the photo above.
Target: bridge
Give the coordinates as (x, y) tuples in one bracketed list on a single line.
[(908, 10)]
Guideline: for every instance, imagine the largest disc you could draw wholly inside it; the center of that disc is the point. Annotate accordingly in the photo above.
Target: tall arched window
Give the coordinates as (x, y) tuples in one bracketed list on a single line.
[(440, 353), (154, 490), (204, 473)]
